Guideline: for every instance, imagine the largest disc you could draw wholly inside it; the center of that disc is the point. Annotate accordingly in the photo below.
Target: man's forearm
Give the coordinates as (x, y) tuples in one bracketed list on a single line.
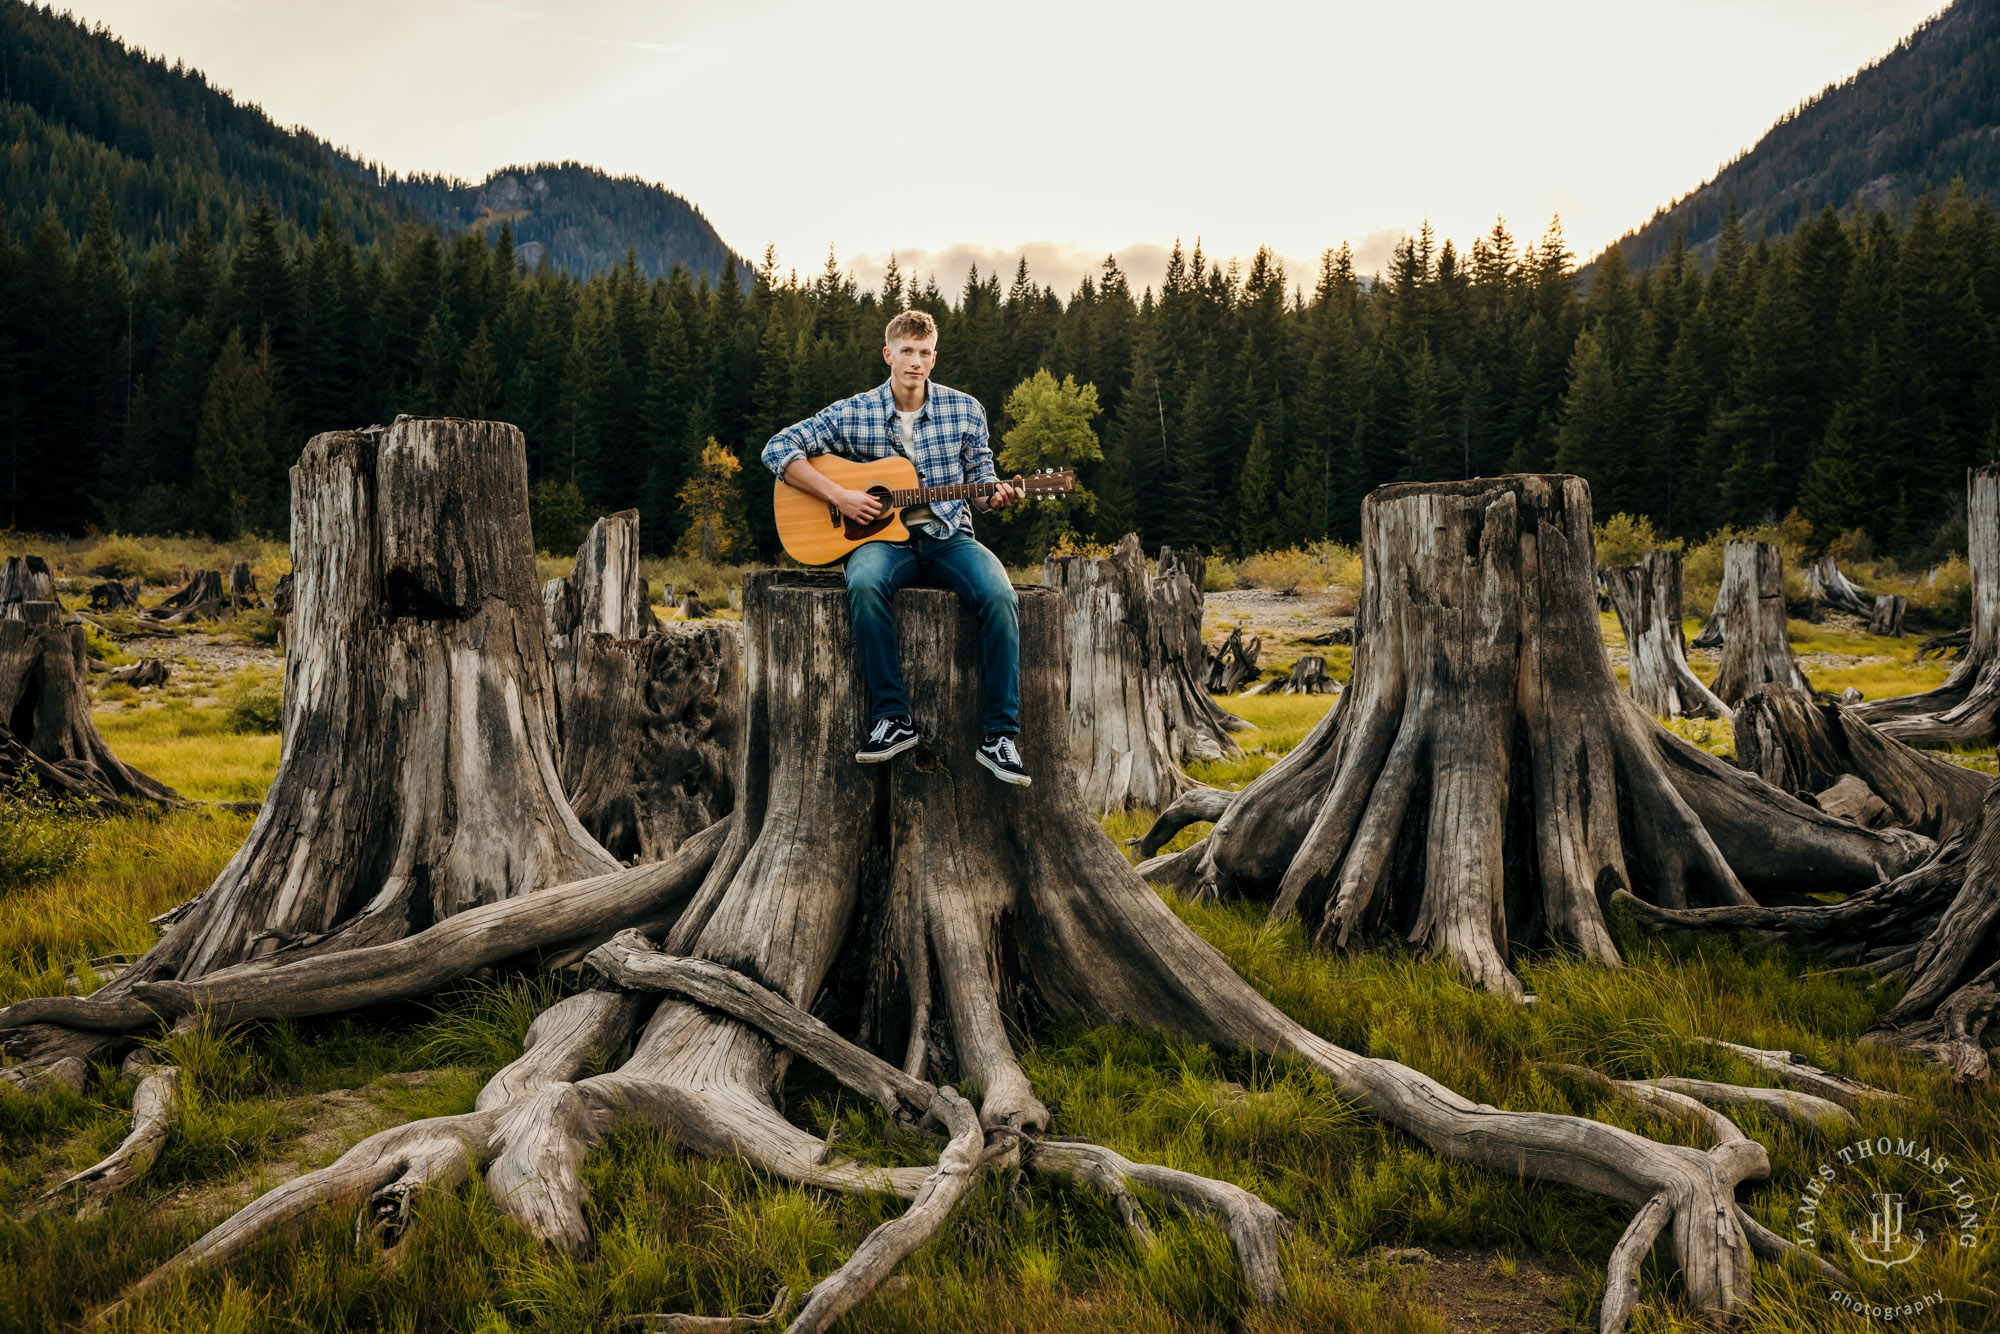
[(802, 475)]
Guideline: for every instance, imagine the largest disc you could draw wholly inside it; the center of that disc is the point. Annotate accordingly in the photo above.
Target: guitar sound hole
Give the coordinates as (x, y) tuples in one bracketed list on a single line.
[(855, 531)]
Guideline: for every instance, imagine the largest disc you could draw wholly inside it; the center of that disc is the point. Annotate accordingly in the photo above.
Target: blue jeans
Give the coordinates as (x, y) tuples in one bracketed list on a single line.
[(958, 562)]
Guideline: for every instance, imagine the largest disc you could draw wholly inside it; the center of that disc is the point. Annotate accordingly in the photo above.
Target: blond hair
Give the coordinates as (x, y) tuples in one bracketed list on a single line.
[(909, 324)]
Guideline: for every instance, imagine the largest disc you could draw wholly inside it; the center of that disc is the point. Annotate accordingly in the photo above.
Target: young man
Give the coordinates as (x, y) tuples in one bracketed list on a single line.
[(944, 433)]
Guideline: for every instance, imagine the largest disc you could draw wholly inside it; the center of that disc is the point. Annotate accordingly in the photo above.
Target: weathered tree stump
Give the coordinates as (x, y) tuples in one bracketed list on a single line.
[(242, 587), (1755, 651), (1830, 588), (1647, 598), (24, 579), (1309, 677), (649, 716), (1483, 783), (418, 777), (1934, 926), (692, 607), (281, 607), (145, 672), (931, 914), (201, 599), (1965, 710), (45, 706), (1886, 618), (1132, 721), (110, 595), (1174, 601), (1805, 747), (1233, 663)]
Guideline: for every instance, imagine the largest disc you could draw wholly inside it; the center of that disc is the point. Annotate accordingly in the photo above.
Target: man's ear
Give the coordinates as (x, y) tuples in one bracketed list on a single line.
[(888, 355)]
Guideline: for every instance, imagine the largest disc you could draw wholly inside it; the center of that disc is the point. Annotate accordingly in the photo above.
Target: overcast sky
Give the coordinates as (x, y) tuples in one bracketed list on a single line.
[(953, 132)]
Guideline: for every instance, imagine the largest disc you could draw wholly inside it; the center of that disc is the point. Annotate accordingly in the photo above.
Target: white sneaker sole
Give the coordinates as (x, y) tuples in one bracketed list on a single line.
[(877, 756), (1018, 780)]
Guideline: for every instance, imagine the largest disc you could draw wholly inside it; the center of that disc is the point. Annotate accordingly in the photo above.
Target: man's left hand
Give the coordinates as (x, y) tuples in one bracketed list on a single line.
[(1007, 493)]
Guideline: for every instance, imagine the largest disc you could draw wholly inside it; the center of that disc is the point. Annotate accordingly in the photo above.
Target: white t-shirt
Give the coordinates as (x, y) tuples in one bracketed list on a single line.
[(906, 436)]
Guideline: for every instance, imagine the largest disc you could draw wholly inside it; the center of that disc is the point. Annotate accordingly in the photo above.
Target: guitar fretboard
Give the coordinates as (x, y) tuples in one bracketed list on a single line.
[(930, 495)]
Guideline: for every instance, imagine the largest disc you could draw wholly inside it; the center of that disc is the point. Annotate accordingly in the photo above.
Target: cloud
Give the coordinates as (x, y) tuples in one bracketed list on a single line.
[(1058, 264)]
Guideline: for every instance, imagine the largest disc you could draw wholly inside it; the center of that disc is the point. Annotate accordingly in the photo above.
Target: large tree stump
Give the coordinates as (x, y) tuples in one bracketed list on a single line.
[(24, 579), (200, 599), (1123, 702), (45, 706), (1887, 616), (1965, 710), (1647, 598), (650, 715), (1483, 784), (1830, 588), (931, 915), (418, 777), (1233, 663), (1807, 747), (1755, 651), (1199, 728), (242, 587)]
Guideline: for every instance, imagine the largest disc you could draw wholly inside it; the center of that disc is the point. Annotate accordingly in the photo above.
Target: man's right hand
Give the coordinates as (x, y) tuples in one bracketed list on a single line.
[(859, 506)]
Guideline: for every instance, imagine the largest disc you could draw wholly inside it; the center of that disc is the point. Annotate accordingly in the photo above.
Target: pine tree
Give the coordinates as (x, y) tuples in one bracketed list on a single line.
[(232, 453)]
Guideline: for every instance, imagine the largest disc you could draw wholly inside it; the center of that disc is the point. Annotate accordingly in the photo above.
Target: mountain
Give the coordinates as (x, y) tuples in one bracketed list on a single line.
[(80, 111), (1924, 114)]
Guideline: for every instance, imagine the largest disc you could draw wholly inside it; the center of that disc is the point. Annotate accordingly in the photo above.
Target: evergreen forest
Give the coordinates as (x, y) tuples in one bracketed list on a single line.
[(1846, 371)]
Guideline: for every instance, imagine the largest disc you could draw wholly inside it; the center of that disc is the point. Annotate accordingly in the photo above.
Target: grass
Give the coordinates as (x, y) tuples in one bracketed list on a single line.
[(679, 1232)]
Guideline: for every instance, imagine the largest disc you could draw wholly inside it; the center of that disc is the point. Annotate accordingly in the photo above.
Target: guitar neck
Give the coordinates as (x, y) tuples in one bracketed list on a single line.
[(930, 495)]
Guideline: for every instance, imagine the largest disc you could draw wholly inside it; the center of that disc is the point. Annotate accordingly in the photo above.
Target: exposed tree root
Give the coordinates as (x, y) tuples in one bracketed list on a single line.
[(155, 1110), (1202, 805)]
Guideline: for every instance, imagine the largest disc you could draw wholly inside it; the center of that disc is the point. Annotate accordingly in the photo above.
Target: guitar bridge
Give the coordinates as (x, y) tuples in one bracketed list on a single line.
[(833, 513)]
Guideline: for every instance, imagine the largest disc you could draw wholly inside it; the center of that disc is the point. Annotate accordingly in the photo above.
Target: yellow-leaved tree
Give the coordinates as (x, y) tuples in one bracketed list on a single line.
[(712, 524)]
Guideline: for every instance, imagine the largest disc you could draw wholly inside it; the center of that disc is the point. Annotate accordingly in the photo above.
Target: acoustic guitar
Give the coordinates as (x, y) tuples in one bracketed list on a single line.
[(815, 532)]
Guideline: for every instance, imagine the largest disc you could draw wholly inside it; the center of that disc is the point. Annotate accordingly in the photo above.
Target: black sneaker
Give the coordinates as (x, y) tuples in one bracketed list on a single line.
[(888, 738), (999, 753)]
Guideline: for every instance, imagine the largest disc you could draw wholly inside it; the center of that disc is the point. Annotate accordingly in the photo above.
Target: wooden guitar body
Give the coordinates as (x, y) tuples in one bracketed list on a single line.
[(816, 533)]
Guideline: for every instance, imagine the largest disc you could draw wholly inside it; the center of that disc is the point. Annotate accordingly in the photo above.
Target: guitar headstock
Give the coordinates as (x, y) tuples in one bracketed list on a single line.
[(1050, 482)]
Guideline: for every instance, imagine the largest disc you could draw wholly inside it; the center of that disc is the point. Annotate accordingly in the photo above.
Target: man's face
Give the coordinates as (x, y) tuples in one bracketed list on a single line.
[(910, 361)]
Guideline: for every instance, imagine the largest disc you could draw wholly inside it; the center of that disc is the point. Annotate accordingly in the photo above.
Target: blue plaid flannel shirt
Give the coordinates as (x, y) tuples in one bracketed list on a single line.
[(950, 444)]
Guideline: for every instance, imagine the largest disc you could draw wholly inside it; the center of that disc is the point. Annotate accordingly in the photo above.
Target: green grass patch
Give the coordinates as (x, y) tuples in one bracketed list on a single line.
[(195, 750)]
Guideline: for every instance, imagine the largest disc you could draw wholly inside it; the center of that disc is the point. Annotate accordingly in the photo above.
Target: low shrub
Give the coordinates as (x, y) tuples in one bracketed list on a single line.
[(122, 557), (1280, 571), (42, 833), (1337, 564), (256, 704), (1623, 538), (1217, 577), (258, 625)]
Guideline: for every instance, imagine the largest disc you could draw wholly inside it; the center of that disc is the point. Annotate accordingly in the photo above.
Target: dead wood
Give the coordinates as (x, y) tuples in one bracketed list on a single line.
[(936, 915), (25, 579), (155, 1110), (1807, 747), (1886, 617), (649, 715), (1755, 651), (1647, 598), (1954, 643), (45, 708), (242, 587), (1309, 677), (143, 673), (1233, 663), (1483, 784), (1199, 805), (418, 776), (201, 598), (1175, 598), (1965, 710), (1828, 587), (691, 608), (1124, 699), (110, 595)]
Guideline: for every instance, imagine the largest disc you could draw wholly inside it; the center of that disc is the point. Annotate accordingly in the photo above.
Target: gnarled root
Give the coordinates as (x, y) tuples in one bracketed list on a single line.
[(1202, 805), (1254, 1227), (155, 1109)]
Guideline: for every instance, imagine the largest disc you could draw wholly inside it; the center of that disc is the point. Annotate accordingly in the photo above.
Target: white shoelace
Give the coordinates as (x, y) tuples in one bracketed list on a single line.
[(882, 729), (1003, 746)]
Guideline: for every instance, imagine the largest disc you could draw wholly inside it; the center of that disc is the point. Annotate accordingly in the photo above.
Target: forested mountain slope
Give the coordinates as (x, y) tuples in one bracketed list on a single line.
[(81, 112), (1924, 114)]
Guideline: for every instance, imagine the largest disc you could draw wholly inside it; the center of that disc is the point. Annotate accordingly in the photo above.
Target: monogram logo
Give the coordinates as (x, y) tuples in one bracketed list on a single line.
[(1885, 1244)]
